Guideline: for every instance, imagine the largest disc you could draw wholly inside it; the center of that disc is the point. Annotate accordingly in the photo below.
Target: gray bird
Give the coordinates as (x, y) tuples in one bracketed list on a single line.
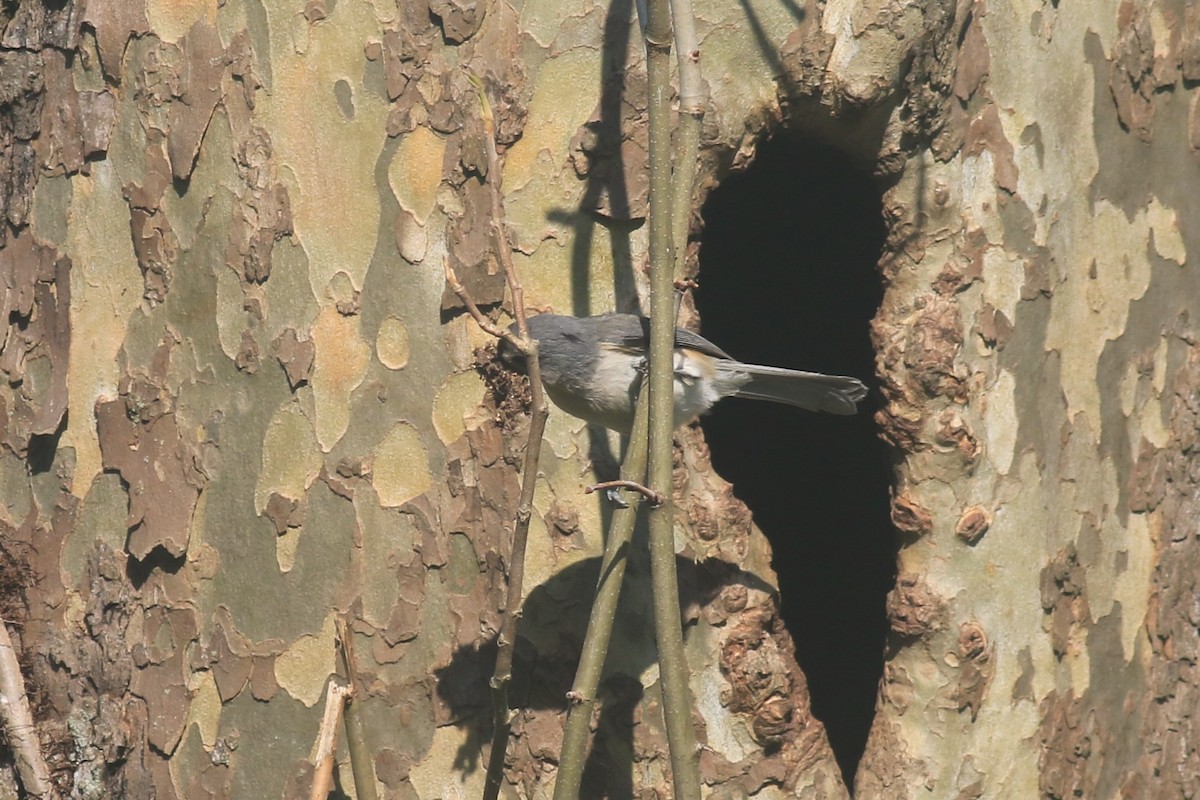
[(592, 366)]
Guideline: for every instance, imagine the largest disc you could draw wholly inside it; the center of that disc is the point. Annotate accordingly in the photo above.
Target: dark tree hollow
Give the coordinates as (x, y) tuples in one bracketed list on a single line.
[(788, 278)]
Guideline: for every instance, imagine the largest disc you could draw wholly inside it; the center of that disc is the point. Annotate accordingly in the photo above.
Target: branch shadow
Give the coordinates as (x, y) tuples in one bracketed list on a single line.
[(605, 185), (605, 178), (766, 48), (550, 637)]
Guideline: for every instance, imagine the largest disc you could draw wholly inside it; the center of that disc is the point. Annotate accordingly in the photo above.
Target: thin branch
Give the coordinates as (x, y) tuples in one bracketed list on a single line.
[(595, 647), (503, 250), (693, 97), (335, 699), (604, 612), (480, 318), (583, 693), (654, 497), (682, 287), (356, 730), (677, 700), (506, 641), (18, 724), (346, 640)]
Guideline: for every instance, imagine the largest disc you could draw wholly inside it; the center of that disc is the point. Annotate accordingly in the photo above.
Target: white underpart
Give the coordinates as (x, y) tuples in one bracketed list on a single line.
[(610, 402), (695, 386)]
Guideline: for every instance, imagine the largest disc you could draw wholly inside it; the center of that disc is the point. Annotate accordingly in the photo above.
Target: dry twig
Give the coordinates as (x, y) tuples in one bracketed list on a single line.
[(476, 313), (335, 698), (18, 724), (654, 497), (506, 642)]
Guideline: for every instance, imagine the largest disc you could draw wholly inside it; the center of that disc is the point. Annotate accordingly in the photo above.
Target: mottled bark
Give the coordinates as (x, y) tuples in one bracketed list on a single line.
[(239, 402)]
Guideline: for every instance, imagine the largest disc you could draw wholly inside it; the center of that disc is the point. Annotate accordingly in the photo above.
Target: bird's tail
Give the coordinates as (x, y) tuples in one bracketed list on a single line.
[(835, 394)]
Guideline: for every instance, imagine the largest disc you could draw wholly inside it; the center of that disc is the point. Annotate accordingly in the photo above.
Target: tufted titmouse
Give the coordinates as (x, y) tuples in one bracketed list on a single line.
[(591, 368)]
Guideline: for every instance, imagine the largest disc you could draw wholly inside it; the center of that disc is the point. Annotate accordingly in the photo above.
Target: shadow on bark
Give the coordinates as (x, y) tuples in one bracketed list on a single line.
[(549, 637)]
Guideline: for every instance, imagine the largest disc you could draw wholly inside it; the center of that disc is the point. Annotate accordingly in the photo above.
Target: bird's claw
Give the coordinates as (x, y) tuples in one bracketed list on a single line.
[(613, 493)]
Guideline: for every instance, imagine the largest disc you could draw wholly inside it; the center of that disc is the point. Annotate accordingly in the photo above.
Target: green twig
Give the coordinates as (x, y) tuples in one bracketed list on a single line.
[(677, 701), (604, 612), (692, 100), (361, 760)]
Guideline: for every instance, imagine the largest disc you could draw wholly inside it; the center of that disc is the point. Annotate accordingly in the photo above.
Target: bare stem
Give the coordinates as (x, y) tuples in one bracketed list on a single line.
[(677, 701), (335, 699), (502, 675), (18, 724), (469, 303), (654, 497), (693, 97), (604, 612), (356, 730), (692, 93)]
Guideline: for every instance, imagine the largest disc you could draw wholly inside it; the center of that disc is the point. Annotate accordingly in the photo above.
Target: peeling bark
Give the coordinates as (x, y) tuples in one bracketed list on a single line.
[(192, 196)]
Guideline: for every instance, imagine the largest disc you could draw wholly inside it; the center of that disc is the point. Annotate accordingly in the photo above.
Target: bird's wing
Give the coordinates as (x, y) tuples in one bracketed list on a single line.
[(633, 332)]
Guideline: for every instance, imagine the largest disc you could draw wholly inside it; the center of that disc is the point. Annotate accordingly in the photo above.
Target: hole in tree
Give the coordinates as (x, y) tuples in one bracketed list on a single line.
[(788, 278)]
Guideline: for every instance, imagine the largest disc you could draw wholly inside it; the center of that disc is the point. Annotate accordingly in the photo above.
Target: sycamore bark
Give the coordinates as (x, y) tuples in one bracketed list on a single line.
[(239, 402)]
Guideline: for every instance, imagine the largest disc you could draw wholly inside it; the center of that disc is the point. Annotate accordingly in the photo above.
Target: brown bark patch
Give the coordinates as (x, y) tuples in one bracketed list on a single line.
[(114, 22), (1131, 81), (765, 685), (154, 242), (263, 214), (263, 685), (1066, 733), (1063, 584), (913, 608), (976, 668), (909, 516), (140, 438), (987, 133), (887, 772), (34, 352), (955, 435), (285, 512), (159, 679), (469, 237), (231, 670), (296, 356), (974, 62), (1169, 705), (460, 19), (22, 85), (995, 329), (75, 125), (933, 344), (1148, 479)]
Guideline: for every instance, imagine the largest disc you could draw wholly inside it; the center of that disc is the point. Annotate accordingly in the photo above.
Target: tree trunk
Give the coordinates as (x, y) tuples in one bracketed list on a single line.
[(240, 404)]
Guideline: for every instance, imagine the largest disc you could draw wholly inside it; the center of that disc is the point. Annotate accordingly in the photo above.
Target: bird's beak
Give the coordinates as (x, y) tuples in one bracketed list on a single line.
[(512, 358)]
